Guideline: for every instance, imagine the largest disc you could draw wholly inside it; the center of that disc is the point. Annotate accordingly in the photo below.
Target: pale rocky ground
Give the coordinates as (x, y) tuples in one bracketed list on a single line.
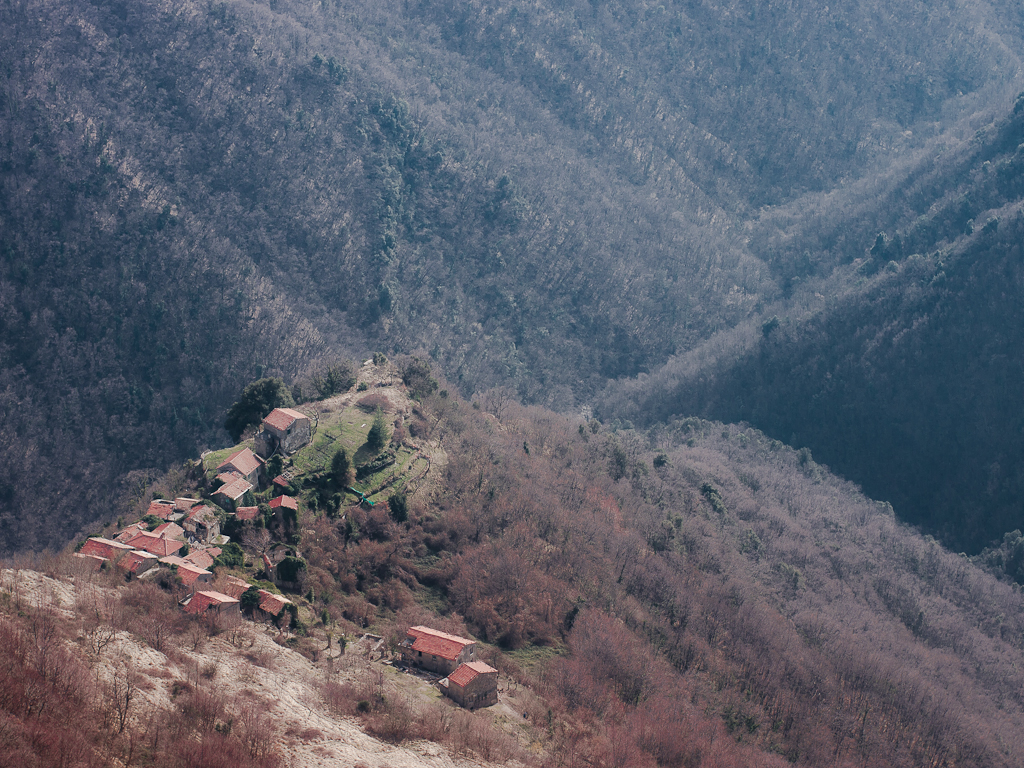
[(246, 665)]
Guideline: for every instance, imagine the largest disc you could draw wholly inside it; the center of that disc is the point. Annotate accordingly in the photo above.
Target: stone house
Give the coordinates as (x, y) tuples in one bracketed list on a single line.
[(285, 430), (106, 548), (138, 562), (203, 524), (203, 558), (230, 494), (271, 605), (208, 602), (162, 508), (169, 531), (472, 685), (246, 464), (435, 650), (246, 514)]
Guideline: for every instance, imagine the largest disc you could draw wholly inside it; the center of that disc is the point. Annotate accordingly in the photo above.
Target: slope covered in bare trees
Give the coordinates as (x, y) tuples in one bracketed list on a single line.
[(545, 196)]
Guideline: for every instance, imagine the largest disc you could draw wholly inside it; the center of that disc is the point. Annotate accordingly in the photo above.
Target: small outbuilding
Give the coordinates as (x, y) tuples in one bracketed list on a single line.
[(472, 685), (217, 603)]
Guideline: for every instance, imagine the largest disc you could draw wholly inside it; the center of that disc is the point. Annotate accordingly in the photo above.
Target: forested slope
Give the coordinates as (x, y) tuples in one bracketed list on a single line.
[(537, 195), (908, 381)]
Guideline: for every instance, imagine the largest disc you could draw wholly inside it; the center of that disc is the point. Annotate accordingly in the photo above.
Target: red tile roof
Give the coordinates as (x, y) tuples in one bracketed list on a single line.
[(244, 461), (200, 601), (234, 586), (282, 418), (130, 532), (158, 545), (101, 547), (246, 513), (161, 508), (285, 501), (190, 574), (271, 603), (468, 672), (169, 531), (135, 559), (437, 643), (203, 558), (282, 482)]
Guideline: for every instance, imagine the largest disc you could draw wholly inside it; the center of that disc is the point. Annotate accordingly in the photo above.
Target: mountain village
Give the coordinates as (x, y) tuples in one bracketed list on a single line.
[(179, 543)]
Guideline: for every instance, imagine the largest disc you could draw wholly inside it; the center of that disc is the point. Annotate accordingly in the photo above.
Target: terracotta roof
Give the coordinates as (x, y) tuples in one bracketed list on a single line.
[(200, 601), (203, 558), (234, 586), (174, 560), (169, 531), (101, 547), (158, 545), (190, 574), (244, 461), (466, 673), (285, 501), (271, 603), (161, 508), (282, 482), (130, 532), (235, 488), (282, 418), (184, 505), (246, 513), (437, 643), (134, 560)]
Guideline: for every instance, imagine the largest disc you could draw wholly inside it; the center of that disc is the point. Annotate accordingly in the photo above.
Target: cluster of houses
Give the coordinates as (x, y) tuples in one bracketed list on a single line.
[(140, 552), (468, 682)]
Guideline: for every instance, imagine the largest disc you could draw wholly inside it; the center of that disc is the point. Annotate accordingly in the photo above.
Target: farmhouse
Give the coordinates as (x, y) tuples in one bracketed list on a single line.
[(435, 650), (285, 430), (284, 504), (472, 685)]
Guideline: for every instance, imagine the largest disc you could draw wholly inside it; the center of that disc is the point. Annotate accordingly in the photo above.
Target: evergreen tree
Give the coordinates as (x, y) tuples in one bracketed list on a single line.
[(379, 433), (258, 399), (341, 468)]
